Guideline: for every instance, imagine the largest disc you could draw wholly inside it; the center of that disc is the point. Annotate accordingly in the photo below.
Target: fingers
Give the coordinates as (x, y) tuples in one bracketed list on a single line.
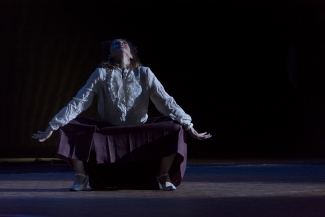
[(200, 136), (41, 136), (36, 136), (204, 137), (38, 133)]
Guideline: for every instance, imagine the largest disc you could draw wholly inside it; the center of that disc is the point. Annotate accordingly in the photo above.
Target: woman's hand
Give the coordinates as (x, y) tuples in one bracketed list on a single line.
[(42, 136), (199, 136)]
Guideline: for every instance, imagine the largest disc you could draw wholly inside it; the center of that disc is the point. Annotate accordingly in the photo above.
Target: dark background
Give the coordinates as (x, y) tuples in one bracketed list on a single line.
[(249, 72)]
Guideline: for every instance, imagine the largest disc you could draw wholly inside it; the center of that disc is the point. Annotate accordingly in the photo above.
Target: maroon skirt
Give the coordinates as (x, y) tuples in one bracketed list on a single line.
[(124, 156)]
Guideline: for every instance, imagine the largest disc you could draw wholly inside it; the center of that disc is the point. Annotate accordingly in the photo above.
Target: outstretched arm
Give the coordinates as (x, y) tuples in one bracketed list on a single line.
[(78, 104), (167, 106)]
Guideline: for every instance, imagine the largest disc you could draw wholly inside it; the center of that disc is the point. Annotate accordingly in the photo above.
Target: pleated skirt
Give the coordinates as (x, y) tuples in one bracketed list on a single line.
[(125, 157)]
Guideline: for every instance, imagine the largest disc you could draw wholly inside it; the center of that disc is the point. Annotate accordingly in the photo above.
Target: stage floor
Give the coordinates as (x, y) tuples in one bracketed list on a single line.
[(209, 189)]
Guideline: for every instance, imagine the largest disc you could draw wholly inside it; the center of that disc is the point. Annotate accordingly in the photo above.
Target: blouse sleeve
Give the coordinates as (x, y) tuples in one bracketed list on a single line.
[(165, 103), (79, 103)]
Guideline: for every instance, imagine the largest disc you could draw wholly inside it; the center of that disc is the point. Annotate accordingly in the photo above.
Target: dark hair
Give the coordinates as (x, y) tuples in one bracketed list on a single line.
[(107, 61)]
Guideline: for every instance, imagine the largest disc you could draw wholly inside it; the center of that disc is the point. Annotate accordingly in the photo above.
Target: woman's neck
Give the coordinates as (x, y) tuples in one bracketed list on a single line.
[(123, 61)]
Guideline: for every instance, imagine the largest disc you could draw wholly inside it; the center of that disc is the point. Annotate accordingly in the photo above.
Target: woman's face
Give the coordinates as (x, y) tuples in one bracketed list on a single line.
[(118, 47)]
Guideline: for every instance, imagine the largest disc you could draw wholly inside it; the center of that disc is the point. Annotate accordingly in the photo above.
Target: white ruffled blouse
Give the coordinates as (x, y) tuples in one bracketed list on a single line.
[(123, 98)]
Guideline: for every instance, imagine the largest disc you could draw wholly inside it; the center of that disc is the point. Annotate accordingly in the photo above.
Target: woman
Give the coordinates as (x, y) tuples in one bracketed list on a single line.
[(124, 88)]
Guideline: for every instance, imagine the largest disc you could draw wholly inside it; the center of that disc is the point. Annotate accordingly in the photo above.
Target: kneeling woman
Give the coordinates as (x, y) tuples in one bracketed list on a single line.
[(125, 136)]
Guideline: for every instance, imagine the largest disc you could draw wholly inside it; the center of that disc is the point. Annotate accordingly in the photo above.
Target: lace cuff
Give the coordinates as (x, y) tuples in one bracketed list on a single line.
[(187, 127), (52, 126)]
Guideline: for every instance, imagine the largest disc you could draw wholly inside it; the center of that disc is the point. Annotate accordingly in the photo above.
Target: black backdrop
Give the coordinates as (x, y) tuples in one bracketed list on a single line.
[(249, 72)]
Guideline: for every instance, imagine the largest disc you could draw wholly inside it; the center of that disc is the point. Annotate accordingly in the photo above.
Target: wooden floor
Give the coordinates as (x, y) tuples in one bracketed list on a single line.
[(226, 190)]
